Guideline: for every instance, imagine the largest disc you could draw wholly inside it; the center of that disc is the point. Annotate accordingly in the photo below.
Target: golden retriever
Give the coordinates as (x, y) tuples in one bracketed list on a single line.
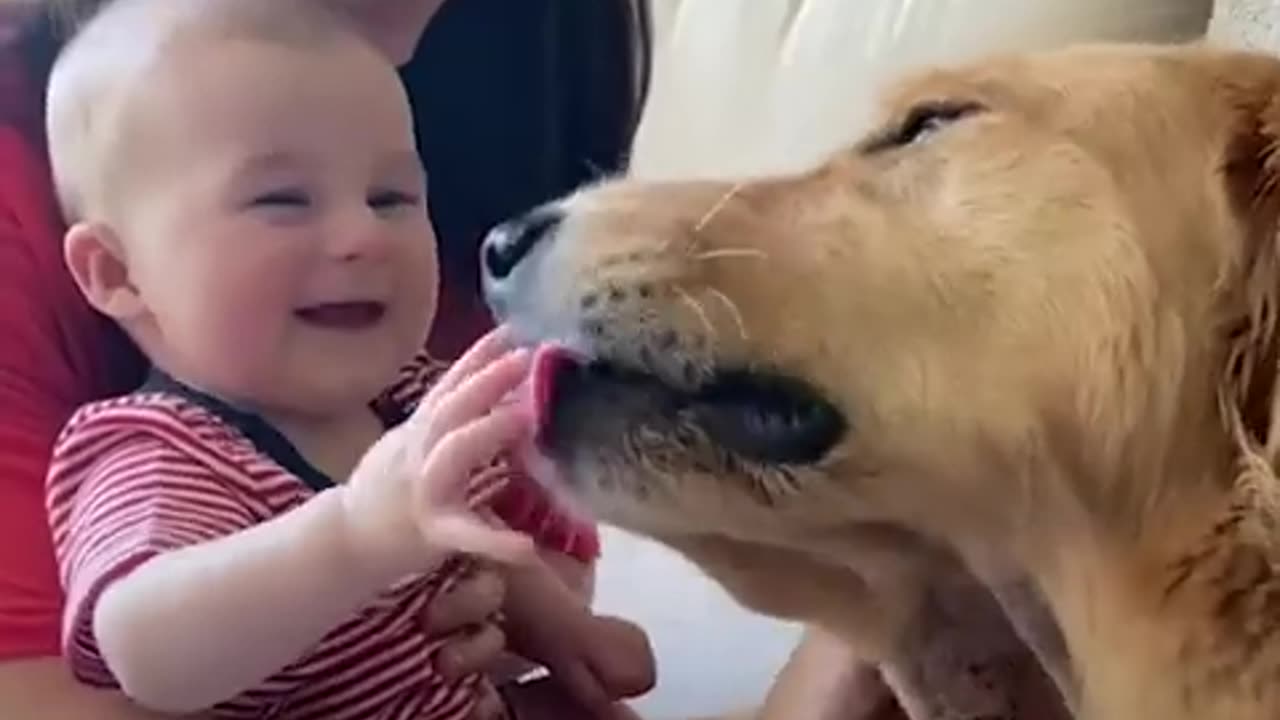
[(1004, 371)]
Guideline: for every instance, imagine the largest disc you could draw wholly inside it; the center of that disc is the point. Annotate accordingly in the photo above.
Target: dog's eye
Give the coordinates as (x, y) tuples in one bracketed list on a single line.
[(922, 121)]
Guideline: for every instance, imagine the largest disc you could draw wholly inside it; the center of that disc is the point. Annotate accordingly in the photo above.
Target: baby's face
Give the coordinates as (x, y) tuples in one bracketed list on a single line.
[(278, 233)]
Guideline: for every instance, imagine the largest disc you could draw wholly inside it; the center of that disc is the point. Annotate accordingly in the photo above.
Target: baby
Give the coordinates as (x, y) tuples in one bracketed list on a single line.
[(257, 531)]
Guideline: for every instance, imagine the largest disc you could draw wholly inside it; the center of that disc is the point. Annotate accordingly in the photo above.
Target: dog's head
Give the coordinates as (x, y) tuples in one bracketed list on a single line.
[(1041, 277)]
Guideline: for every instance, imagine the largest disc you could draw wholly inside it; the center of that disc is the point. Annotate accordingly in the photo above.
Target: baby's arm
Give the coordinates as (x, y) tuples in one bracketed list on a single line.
[(190, 603), (173, 592), (192, 627)]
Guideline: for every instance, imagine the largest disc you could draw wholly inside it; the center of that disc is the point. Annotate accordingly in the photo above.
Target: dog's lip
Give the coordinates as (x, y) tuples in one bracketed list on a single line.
[(757, 414)]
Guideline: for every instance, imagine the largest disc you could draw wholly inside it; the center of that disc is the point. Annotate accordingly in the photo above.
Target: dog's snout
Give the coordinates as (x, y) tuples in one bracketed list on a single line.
[(509, 243)]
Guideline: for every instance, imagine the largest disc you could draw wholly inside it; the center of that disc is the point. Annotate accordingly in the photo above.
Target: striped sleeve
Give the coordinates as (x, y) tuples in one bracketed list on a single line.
[(126, 484), (514, 496)]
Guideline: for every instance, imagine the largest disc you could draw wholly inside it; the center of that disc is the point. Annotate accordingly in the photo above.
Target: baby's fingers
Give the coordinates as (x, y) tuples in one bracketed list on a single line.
[(460, 531), (477, 395), (444, 517), (483, 352), (453, 460)]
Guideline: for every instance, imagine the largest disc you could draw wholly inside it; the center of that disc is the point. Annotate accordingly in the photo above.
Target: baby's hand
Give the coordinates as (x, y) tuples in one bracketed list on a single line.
[(406, 504)]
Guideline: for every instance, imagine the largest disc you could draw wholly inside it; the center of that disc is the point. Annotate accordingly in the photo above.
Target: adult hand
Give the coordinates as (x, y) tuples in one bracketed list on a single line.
[(596, 660), (826, 680), (466, 614)]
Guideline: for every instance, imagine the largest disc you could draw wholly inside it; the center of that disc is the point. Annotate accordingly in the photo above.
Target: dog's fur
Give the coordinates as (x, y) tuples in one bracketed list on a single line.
[(1049, 324)]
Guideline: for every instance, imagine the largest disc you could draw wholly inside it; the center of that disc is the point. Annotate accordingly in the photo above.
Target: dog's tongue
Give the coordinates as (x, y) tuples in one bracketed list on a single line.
[(550, 363), (536, 395)]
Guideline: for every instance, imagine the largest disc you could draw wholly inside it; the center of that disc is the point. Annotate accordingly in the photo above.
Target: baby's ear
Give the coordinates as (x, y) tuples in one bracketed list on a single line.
[(96, 260)]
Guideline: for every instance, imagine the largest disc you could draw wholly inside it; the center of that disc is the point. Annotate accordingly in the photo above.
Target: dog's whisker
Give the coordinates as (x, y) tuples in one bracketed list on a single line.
[(750, 253), (666, 245), (733, 309), (716, 208), (698, 310)]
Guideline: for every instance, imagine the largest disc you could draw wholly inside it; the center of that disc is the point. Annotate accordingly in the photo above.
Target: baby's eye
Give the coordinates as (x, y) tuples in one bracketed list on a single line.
[(391, 199), (282, 199)]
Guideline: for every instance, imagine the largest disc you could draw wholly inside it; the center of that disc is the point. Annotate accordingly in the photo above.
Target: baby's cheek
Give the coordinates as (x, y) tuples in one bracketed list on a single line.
[(418, 313), (244, 354), (245, 334)]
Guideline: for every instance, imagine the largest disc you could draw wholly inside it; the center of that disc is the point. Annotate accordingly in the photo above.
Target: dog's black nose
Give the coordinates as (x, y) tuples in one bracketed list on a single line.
[(509, 243)]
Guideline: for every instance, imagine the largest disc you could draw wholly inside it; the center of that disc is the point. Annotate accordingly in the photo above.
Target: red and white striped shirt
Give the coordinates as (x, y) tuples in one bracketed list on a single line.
[(168, 467)]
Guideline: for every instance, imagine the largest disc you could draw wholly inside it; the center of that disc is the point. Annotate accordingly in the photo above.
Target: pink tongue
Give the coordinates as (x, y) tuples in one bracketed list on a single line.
[(537, 392), (536, 395), (549, 361)]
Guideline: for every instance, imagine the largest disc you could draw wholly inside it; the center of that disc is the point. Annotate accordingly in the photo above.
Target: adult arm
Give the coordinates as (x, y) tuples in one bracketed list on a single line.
[(43, 689), (824, 679)]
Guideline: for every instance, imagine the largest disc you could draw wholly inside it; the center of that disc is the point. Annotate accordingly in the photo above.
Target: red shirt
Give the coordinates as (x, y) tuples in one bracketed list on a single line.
[(56, 353), (167, 467)]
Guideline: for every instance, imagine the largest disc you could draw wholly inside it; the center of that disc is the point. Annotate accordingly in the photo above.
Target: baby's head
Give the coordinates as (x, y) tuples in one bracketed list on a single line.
[(245, 197)]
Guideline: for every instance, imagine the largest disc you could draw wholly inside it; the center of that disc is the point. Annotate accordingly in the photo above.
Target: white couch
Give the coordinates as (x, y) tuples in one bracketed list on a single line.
[(1246, 23)]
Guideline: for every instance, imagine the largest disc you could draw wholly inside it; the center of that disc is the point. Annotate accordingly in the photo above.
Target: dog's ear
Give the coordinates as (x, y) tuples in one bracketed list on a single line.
[(1249, 392)]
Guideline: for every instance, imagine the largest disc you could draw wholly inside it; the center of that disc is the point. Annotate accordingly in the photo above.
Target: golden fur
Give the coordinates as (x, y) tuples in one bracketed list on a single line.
[(1050, 323)]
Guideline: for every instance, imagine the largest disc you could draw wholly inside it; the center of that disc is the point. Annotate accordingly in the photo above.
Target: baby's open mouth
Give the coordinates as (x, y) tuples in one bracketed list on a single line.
[(354, 315)]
